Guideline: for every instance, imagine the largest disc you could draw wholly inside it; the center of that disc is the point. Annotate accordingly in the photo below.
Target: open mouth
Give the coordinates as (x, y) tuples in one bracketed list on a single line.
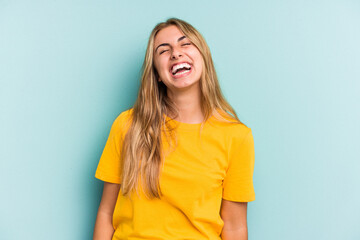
[(180, 69)]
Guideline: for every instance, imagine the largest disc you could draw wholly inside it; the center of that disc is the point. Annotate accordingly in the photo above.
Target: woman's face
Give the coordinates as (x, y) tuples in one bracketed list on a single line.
[(177, 61)]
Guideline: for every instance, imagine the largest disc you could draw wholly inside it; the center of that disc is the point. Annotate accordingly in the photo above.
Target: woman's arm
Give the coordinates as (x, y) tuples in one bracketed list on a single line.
[(103, 226), (234, 216)]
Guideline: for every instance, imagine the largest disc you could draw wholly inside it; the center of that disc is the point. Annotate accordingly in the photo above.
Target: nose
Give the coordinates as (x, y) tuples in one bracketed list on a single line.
[(176, 54)]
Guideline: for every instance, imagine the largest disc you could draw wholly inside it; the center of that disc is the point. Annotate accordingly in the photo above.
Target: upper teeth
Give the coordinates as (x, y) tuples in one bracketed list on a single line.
[(181, 65)]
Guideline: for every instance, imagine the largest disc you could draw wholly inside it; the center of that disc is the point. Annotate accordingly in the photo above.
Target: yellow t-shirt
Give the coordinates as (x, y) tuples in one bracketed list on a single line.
[(203, 169)]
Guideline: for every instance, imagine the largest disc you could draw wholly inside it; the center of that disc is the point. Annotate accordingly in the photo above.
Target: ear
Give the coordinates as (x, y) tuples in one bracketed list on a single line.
[(159, 80)]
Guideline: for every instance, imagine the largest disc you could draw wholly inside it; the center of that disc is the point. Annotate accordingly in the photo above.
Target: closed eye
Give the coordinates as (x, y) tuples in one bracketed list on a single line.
[(162, 52), (185, 44)]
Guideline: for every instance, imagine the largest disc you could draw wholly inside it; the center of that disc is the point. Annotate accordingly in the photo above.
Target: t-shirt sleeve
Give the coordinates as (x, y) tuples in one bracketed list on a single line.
[(109, 167), (238, 183)]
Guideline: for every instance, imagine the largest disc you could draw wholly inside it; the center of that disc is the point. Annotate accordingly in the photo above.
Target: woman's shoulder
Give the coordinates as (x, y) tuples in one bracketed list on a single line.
[(125, 115), (232, 133), (233, 128), (123, 119), (230, 125)]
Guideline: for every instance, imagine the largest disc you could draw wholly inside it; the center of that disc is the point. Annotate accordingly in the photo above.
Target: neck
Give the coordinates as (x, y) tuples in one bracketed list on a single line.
[(188, 104)]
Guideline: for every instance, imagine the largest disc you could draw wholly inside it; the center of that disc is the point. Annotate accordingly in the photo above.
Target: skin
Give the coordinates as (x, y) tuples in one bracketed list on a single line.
[(103, 229), (171, 47), (184, 92), (234, 215)]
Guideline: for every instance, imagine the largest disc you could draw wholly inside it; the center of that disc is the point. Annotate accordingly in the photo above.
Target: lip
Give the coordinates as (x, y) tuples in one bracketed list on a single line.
[(182, 75), (171, 67)]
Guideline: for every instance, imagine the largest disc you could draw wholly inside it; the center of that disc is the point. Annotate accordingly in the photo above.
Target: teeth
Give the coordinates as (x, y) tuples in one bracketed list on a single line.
[(181, 65)]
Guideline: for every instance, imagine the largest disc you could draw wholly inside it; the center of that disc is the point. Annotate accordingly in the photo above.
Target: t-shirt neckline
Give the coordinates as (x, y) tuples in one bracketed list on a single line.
[(186, 126)]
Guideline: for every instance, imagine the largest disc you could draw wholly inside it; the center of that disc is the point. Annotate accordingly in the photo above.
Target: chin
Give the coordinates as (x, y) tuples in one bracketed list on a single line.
[(186, 83)]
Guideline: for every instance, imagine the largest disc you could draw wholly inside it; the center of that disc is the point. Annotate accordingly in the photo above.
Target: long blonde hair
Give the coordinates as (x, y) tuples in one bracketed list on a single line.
[(142, 148)]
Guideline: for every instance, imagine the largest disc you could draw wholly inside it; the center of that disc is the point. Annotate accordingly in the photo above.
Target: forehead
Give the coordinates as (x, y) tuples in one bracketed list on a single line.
[(168, 35)]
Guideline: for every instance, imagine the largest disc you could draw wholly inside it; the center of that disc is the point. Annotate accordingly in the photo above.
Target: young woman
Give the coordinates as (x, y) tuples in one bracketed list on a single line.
[(179, 164)]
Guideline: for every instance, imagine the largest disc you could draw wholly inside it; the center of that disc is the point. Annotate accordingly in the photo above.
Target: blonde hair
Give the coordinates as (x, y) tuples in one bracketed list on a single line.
[(142, 148)]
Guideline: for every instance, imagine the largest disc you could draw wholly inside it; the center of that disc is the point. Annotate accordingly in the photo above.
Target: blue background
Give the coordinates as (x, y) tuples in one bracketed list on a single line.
[(291, 69)]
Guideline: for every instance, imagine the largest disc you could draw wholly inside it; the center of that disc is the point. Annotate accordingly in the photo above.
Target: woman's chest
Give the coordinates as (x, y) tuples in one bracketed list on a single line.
[(194, 166)]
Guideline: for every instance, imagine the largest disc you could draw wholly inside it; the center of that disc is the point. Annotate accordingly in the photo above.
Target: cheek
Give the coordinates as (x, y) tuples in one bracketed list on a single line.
[(199, 62), (160, 65), (161, 69), (196, 56), (155, 64)]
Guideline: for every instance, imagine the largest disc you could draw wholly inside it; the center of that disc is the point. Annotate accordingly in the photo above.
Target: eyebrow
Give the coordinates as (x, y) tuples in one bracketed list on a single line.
[(166, 44)]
